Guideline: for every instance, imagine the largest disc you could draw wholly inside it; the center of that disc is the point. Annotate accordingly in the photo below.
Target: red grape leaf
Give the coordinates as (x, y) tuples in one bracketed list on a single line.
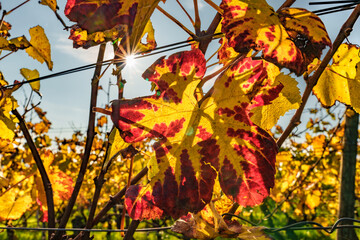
[(120, 16), (197, 144)]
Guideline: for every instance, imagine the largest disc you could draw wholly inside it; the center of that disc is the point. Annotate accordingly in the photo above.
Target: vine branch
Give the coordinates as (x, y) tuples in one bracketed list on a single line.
[(44, 176), (88, 144)]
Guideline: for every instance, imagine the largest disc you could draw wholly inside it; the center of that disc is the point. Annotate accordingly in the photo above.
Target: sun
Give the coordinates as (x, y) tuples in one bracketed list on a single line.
[(130, 60)]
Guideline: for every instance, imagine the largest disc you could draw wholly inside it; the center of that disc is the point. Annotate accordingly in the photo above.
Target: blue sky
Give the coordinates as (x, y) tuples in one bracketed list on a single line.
[(66, 99)]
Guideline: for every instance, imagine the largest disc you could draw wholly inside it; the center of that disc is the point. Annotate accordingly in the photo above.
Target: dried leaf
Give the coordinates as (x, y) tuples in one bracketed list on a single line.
[(40, 46)]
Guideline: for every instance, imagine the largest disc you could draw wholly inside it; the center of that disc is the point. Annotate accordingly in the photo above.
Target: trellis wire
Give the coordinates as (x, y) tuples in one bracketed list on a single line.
[(155, 51), (293, 227), (85, 230)]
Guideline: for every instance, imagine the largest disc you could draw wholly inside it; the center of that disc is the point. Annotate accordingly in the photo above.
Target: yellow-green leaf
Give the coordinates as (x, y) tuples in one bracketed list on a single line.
[(29, 75), (340, 81), (40, 46)]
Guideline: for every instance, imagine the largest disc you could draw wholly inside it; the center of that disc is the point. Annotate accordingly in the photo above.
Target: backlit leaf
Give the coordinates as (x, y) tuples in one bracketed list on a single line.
[(289, 98), (50, 3), (254, 24), (340, 81), (197, 144), (126, 17), (29, 75), (313, 199), (306, 30), (150, 39), (116, 144), (81, 37), (14, 204), (40, 46)]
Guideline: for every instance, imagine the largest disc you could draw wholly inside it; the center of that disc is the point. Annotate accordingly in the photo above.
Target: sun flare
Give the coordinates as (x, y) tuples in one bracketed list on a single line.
[(130, 61)]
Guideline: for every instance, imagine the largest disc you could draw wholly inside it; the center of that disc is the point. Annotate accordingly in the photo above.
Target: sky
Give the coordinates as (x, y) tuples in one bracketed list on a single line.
[(66, 99)]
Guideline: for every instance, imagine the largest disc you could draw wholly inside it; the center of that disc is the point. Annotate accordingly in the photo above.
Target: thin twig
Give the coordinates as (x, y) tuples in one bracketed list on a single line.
[(88, 145), (44, 176), (343, 33), (214, 6), (187, 14), (197, 24), (176, 21)]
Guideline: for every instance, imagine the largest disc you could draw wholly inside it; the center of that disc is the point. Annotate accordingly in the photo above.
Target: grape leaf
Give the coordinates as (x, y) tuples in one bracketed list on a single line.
[(195, 226), (29, 75), (150, 39), (14, 204), (50, 3), (306, 30), (289, 98), (81, 37), (340, 81), (4, 29), (7, 120), (14, 44), (62, 184), (40, 46), (254, 24), (124, 17), (197, 144)]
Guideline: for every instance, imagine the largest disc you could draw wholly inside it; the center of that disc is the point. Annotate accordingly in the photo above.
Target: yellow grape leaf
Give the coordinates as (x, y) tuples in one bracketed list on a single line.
[(318, 144), (116, 144), (4, 182), (40, 46), (289, 98), (62, 186), (51, 3), (14, 44), (150, 39), (340, 81), (313, 199), (101, 121), (284, 156), (199, 144), (7, 127), (81, 37), (29, 75), (14, 204)]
